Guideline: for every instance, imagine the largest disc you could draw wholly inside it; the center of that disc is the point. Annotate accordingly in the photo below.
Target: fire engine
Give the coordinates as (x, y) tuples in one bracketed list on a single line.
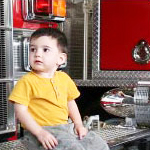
[(109, 60)]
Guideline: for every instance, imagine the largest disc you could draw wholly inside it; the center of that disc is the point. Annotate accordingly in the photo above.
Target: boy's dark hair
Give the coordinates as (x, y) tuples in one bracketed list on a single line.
[(54, 33)]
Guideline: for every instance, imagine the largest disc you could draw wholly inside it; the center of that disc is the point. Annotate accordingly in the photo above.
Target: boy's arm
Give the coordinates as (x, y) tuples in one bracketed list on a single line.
[(25, 118), (45, 138), (74, 114)]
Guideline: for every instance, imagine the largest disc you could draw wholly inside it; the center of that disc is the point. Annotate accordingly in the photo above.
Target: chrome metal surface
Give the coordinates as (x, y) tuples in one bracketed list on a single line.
[(2, 13), (141, 52), (5, 28), (5, 38), (114, 135), (142, 105), (12, 145), (85, 65), (129, 102), (20, 53), (7, 119), (119, 102), (78, 29), (25, 59), (106, 83)]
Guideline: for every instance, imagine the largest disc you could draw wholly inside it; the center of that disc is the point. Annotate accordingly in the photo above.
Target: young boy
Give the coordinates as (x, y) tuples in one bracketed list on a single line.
[(44, 98)]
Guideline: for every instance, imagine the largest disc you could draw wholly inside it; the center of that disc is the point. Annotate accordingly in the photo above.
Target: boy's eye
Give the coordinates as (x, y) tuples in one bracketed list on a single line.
[(45, 49), (32, 49)]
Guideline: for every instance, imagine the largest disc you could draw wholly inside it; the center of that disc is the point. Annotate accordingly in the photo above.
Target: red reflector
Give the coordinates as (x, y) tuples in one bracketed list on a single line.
[(43, 7)]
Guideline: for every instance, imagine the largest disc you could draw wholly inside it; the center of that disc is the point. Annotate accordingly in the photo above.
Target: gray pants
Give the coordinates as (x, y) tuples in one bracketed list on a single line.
[(67, 140)]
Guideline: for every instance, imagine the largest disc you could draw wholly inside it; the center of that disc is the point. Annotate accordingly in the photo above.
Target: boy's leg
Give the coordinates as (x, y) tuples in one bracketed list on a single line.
[(66, 140), (93, 141), (70, 141)]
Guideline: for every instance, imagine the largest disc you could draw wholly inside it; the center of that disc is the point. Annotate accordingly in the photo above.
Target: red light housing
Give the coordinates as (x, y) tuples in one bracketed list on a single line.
[(44, 10), (42, 7)]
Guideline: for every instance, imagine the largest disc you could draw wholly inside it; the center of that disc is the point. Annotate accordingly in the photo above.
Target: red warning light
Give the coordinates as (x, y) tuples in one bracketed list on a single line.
[(43, 7), (44, 10)]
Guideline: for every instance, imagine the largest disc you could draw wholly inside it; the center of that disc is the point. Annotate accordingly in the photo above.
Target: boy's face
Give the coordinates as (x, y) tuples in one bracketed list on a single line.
[(45, 55)]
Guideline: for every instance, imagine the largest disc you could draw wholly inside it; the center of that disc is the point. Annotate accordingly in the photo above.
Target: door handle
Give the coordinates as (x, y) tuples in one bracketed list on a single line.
[(26, 65)]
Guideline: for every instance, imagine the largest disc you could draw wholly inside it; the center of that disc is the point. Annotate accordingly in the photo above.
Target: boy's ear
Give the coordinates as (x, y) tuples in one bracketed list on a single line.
[(62, 58)]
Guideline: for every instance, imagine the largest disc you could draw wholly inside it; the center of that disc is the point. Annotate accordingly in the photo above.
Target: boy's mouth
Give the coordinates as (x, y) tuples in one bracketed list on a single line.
[(37, 61)]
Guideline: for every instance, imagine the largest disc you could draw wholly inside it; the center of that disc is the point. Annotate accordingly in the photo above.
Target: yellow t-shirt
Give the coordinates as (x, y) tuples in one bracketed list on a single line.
[(46, 98)]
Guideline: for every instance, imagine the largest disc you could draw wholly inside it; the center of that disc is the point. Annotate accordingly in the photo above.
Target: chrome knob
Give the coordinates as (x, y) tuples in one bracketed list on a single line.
[(141, 52)]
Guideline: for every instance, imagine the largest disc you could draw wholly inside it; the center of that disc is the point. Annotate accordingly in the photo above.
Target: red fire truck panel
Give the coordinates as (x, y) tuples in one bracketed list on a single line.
[(123, 24)]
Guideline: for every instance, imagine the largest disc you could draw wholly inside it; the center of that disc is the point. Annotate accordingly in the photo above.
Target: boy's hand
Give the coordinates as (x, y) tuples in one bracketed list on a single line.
[(46, 139), (81, 131)]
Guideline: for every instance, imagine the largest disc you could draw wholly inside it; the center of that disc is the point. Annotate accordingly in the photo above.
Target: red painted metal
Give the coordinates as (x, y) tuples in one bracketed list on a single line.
[(18, 21), (123, 24)]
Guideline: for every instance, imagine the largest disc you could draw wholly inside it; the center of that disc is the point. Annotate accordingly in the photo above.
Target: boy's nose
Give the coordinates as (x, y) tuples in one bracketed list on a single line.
[(38, 53)]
